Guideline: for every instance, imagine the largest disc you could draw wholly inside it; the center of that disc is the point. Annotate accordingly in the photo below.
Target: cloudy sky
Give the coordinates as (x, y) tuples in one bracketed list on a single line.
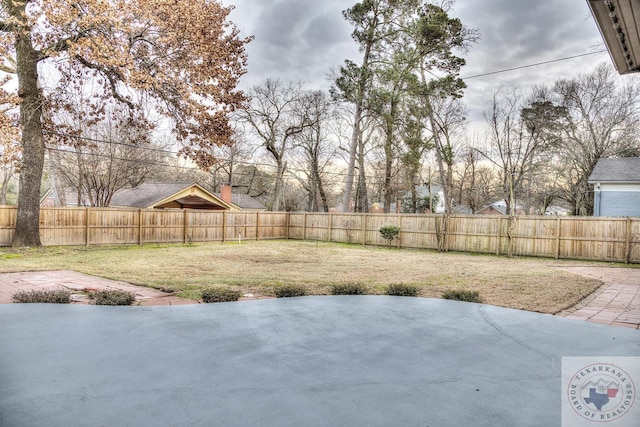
[(302, 40)]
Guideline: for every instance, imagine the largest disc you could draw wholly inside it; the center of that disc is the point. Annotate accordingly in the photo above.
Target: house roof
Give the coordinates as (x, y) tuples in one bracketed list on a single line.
[(157, 195), (626, 169), (245, 202)]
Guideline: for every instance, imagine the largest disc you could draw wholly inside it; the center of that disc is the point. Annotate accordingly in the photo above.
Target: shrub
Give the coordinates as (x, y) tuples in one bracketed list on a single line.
[(112, 297), (220, 295), (462, 295), (286, 291), (389, 232), (349, 289), (402, 290), (50, 296)]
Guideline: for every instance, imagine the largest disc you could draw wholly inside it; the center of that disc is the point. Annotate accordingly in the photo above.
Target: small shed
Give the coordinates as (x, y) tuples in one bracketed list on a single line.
[(616, 187), (171, 196)]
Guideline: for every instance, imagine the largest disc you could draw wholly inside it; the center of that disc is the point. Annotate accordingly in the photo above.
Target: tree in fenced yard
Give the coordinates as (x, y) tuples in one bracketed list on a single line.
[(390, 232), (275, 115), (99, 153), (183, 59), (403, 44)]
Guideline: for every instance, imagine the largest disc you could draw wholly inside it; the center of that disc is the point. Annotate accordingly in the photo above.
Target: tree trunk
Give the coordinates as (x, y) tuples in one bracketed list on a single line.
[(388, 152), (279, 187), (446, 183), (357, 118), (33, 149)]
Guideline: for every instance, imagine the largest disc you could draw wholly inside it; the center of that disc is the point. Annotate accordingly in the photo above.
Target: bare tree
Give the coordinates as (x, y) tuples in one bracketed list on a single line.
[(316, 148), (274, 118), (603, 120), (185, 60), (516, 146), (475, 184), (115, 156)]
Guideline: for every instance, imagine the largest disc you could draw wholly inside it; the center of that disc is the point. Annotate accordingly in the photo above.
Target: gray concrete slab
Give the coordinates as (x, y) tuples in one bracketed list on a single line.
[(312, 361)]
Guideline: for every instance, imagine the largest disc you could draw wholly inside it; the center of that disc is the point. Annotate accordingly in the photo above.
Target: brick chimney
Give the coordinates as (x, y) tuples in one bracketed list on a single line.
[(225, 193)]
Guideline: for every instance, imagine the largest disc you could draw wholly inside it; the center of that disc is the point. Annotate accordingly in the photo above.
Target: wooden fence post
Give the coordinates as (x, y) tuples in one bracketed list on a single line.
[(558, 228), (257, 225), (499, 236), (140, 227), (364, 230), (399, 225), (288, 224), (330, 226), (87, 225), (304, 226), (185, 224), (224, 225), (446, 233), (627, 243)]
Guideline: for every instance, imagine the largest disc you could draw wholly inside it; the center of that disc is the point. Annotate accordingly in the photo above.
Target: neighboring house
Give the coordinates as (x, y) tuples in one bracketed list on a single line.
[(165, 195), (498, 207), (616, 185)]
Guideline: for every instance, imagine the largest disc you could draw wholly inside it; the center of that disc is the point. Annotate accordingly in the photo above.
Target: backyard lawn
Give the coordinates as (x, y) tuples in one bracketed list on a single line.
[(259, 267)]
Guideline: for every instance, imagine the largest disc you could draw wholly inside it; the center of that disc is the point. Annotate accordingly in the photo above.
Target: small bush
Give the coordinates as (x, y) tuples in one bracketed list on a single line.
[(349, 289), (112, 297), (220, 295), (51, 296), (402, 290), (462, 295), (389, 232), (287, 291)]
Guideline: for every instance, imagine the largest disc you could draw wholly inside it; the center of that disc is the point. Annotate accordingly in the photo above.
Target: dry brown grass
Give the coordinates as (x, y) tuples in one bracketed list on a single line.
[(259, 267)]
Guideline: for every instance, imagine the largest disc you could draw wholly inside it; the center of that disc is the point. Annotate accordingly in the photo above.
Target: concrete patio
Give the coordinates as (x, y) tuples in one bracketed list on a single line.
[(312, 361)]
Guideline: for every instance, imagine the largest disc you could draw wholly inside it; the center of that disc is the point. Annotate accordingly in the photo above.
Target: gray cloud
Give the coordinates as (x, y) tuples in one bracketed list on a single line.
[(302, 40)]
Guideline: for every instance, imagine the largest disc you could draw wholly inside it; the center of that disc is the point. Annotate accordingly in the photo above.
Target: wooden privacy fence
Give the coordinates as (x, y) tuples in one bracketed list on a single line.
[(108, 226), (588, 238)]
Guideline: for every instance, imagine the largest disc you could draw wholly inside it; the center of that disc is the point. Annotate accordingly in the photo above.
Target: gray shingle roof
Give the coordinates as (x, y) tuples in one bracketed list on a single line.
[(625, 169), (245, 201), (147, 194)]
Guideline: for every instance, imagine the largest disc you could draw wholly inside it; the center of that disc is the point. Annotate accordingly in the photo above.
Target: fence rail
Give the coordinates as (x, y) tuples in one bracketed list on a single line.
[(588, 238)]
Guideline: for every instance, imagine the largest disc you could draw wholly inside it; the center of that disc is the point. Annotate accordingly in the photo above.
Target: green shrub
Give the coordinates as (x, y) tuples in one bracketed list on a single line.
[(286, 291), (112, 297), (462, 295), (402, 290), (389, 232), (50, 296), (220, 295), (349, 289)]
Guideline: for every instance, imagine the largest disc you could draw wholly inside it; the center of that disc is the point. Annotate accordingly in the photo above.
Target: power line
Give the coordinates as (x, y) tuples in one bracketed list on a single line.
[(533, 65)]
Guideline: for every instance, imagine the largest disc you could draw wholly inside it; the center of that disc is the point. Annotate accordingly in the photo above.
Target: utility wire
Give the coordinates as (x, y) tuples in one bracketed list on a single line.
[(533, 65)]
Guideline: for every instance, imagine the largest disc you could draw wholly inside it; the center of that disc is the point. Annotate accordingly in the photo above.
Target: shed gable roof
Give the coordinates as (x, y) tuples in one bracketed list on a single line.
[(626, 169), (153, 195)]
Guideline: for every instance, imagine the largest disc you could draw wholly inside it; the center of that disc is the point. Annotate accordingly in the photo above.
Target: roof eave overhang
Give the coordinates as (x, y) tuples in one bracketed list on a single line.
[(195, 190), (602, 181), (617, 23)]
